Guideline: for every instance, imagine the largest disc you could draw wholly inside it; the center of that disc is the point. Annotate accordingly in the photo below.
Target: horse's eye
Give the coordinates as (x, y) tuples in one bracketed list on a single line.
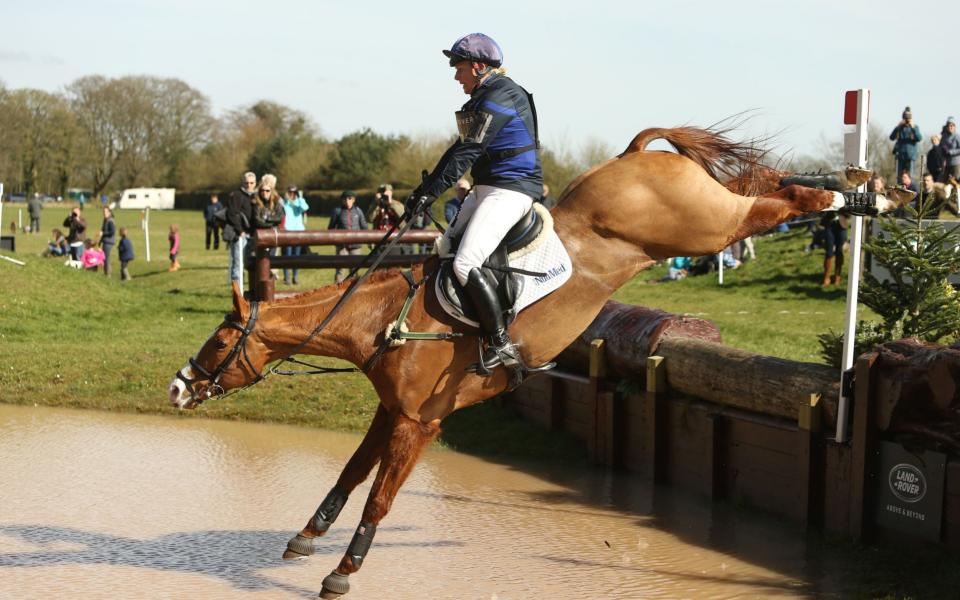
[(221, 344)]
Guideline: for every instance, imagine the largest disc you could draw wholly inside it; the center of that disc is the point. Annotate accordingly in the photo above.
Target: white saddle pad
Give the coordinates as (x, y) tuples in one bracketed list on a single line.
[(545, 255)]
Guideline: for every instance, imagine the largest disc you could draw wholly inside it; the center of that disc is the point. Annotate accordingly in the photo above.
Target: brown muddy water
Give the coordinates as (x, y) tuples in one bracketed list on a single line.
[(99, 505)]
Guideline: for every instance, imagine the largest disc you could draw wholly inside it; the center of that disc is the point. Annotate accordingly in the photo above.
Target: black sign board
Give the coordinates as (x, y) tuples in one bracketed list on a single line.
[(910, 491)]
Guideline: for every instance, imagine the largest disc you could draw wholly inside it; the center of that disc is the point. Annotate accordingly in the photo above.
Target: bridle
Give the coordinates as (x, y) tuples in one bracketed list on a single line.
[(239, 349), (240, 346)]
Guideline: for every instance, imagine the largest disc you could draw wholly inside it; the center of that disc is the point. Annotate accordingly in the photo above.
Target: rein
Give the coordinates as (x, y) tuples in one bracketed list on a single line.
[(240, 347)]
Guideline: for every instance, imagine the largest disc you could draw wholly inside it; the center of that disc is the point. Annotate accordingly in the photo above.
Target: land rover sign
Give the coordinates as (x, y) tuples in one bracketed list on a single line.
[(907, 482), (910, 494)]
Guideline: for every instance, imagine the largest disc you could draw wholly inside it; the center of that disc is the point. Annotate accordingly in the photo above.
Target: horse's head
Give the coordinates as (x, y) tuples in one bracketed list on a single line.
[(232, 357)]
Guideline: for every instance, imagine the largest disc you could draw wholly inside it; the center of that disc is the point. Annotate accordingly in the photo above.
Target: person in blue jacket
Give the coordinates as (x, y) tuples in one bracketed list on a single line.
[(906, 135), (125, 249), (499, 143)]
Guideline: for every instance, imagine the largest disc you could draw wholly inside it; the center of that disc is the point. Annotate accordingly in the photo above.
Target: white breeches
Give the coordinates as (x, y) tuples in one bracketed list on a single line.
[(487, 215)]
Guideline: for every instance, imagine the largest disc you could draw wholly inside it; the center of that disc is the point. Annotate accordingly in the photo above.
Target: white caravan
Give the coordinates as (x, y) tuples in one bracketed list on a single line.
[(155, 198)]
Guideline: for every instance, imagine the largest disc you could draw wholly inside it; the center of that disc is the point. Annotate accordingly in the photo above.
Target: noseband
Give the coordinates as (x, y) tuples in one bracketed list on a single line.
[(239, 348)]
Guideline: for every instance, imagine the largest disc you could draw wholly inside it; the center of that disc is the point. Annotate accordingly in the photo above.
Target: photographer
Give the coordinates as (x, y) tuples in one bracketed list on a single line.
[(77, 230), (386, 213), (906, 135)]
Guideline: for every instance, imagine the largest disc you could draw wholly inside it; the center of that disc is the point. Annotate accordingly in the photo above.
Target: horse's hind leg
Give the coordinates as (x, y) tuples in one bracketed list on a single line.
[(356, 471), (407, 441), (772, 209)]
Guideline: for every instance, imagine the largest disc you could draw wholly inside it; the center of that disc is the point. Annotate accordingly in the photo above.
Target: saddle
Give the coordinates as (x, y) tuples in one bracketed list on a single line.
[(521, 238)]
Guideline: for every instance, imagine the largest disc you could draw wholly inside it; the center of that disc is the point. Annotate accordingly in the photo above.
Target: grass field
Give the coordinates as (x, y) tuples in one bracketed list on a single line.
[(73, 338)]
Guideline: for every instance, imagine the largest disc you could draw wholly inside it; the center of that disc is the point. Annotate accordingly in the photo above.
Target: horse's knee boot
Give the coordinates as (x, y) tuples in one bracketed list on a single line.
[(360, 544)]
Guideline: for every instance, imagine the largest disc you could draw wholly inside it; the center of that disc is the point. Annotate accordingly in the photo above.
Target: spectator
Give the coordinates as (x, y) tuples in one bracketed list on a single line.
[(834, 236), (125, 250), (295, 211), (349, 217), (876, 184), (174, 239), (58, 245), (107, 238), (452, 208), (210, 212), (239, 224), (267, 206), (905, 136), (34, 206), (950, 146), (907, 182), (679, 267), (938, 196), (386, 214), (92, 256), (77, 227), (935, 158), (546, 199)]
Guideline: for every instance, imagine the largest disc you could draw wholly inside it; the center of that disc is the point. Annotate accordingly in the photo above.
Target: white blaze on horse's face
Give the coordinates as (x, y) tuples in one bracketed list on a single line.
[(177, 391)]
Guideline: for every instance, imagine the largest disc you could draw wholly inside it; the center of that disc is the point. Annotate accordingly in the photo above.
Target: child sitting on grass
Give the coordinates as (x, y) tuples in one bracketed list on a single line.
[(126, 254), (174, 238), (92, 256)]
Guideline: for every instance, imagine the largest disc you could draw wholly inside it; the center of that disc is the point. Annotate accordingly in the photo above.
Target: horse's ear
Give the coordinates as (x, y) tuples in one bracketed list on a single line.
[(240, 304)]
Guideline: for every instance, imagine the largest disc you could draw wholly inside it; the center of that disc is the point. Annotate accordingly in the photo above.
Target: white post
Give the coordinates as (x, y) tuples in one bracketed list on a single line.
[(1, 206), (20, 219), (855, 153), (146, 230), (720, 267)]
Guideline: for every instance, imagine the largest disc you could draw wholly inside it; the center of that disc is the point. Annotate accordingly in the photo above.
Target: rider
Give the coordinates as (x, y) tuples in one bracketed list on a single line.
[(498, 138)]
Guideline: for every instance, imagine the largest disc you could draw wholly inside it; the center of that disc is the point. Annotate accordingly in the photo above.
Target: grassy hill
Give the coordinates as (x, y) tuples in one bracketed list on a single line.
[(73, 338)]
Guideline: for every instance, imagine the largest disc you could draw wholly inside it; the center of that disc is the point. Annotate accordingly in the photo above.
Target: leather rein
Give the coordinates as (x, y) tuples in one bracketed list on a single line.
[(240, 346)]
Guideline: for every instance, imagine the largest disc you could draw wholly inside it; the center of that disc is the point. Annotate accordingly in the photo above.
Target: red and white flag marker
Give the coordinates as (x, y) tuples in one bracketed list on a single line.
[(856, 116)]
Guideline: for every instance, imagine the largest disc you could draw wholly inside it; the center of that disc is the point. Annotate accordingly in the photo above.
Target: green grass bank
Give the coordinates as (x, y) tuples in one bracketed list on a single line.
[(78, 339)]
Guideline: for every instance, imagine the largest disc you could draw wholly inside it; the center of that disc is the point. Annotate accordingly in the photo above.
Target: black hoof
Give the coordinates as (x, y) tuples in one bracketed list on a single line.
[(334, 585), (298, 547)]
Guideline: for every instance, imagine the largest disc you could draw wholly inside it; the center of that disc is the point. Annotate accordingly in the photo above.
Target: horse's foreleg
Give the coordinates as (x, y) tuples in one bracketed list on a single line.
[(407, 441), (358, 468), (772, 209)]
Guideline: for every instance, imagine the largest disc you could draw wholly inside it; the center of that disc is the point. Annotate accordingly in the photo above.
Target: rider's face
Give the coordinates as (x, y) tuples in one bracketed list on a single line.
[(466, 76)]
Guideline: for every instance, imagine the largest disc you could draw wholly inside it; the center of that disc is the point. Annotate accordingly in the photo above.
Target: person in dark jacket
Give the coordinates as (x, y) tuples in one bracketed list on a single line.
[(77, 232), (349, 217), (210, 218), (950, 146), (906, 135), (107, 238), (935, 158), (125, 250), (499, 144), (239, 224), (34, 207)]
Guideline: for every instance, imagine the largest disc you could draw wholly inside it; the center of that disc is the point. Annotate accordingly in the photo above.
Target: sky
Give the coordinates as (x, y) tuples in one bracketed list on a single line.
[(600, 71)]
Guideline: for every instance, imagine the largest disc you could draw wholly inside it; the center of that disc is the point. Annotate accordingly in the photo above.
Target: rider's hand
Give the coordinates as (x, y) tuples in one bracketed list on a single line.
[(418, 202)]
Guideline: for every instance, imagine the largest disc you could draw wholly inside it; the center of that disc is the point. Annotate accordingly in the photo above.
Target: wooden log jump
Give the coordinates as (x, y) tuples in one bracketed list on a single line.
[(698, 365)]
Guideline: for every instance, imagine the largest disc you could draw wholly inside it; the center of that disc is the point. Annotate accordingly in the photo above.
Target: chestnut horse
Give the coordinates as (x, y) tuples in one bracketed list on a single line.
[(615, 220)]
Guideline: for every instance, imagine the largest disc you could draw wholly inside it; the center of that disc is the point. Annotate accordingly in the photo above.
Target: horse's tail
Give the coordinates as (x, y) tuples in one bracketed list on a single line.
[(719, 156)]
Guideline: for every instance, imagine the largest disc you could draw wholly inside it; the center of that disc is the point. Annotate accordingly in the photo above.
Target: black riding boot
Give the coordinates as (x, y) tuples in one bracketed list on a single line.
[(500, 349), (836, 181)]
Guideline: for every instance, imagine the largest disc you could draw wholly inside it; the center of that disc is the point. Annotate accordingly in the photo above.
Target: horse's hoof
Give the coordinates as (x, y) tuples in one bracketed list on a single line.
[(334, 585), (298, 547)]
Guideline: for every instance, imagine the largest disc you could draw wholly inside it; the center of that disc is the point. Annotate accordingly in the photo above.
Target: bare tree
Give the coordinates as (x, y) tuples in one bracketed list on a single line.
[(38, 141)]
